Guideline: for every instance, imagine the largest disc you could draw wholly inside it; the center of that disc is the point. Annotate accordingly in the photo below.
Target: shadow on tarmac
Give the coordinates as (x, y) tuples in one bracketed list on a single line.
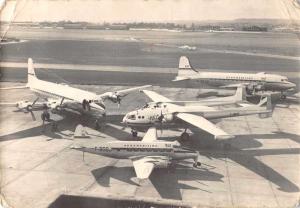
[(100, 202), (248, 158), (166, 181)]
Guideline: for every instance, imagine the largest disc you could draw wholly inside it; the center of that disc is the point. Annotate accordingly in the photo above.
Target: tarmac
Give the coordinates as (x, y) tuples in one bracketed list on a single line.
[(259, 169)]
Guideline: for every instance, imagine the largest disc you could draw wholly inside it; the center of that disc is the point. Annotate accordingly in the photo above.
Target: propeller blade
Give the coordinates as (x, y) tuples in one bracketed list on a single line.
[(35, 101), (119, 101), (32, 116)]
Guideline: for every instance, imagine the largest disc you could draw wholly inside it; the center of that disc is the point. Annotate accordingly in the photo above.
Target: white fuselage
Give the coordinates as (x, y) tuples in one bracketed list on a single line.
[(132, 149), (163, 114), (269, 82)]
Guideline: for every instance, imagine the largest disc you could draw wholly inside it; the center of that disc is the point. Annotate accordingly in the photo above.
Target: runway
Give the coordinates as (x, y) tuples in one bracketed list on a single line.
[(131, 57)]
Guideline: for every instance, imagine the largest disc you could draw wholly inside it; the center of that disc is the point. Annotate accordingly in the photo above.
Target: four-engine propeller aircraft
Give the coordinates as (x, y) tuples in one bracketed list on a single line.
[(164, 112), (146, 154), (65, 97), (255, 82)]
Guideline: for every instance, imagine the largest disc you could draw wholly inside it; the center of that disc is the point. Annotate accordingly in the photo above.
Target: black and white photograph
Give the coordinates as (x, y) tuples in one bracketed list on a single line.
[(149, 103)]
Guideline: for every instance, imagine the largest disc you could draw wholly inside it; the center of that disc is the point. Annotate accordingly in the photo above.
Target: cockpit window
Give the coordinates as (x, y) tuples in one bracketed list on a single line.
[(131, 117), (145, 106), (284, 80)]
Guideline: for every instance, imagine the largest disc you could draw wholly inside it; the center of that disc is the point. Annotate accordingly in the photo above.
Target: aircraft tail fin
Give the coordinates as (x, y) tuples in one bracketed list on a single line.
[(31, 72), (185, 69)]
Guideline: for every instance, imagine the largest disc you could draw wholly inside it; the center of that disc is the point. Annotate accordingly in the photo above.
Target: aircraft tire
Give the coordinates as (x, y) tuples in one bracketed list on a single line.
[(134, 133), (29, 108), (283, 97), (184, 136)]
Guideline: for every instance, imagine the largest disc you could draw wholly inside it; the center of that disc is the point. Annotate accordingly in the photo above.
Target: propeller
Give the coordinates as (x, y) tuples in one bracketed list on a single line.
[(32, 115), (29, 109)]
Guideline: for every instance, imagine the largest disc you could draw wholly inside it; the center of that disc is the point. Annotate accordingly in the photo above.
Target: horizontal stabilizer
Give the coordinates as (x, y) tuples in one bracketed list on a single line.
[(180, 79), (80, 132)]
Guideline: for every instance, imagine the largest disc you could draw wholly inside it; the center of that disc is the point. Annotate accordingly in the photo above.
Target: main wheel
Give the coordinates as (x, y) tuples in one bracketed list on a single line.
[(197, 164), (134, 133), (283, 97), (184, 136)]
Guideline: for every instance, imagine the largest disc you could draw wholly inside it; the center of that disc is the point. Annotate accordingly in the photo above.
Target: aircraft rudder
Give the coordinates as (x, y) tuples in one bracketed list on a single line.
[(184, 67)]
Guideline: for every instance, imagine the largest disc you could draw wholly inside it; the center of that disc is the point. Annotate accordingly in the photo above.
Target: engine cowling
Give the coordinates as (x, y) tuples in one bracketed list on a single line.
[(163, 163), (168, 117), (115, 98), (254, 87), (23, 104)]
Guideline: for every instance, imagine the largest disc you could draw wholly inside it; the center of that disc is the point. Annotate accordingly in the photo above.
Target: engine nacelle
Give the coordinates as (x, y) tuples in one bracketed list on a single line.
[(23, 104), (168, 117), (254, 87), (114, 98), (163, 164), (53, 104)]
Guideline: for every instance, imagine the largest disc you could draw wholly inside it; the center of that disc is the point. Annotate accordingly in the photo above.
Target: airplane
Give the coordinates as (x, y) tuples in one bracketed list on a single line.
[(187, 47), (255, 82), (166, 113), (146, 154), (61, 96)]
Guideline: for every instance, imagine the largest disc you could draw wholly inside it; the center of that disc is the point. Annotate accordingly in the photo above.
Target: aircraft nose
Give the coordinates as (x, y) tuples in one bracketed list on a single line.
[(291, 85), (124, 120)]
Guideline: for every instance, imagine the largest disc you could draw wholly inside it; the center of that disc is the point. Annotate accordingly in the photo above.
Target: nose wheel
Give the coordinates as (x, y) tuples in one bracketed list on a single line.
[(197, 164)]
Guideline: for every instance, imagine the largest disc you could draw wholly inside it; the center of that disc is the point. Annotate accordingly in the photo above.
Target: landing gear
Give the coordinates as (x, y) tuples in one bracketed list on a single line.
[(97, 124), (197, 164), (282, 97), (184, 136), (134, 133)]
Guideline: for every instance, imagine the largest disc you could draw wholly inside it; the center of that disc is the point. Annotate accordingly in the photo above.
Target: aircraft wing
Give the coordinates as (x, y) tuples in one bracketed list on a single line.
[(151, 135), (122, 93), (204, 124), (143, 167), (235, 85), (14, 88), (155, 96)]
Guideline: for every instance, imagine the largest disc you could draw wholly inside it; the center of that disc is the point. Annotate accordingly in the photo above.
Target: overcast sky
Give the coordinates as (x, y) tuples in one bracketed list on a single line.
[(149, 10)]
